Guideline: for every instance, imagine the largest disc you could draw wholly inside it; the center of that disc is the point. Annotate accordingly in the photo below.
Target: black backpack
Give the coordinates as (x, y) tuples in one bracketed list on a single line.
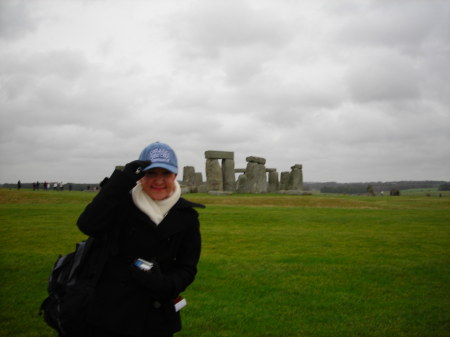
[(71, 286)]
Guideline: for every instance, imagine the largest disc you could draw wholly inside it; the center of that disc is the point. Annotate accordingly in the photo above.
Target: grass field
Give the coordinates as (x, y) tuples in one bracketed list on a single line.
[(272, 265)]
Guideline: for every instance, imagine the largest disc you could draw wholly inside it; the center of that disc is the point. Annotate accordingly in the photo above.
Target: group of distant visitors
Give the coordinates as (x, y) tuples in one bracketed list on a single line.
[(46, 185)]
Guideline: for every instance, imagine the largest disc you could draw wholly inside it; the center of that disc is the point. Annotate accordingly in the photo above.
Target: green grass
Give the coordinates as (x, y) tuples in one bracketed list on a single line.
[(430, 192), (272, 265)]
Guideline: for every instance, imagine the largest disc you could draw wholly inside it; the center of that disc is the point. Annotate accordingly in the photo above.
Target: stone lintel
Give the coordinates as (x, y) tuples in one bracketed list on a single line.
[(239, 170), (258, 160), (219, 155), (297, 166), (271, 170)]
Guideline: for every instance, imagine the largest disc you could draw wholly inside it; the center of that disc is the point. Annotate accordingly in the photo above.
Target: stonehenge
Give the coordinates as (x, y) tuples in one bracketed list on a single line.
[(255, 178)]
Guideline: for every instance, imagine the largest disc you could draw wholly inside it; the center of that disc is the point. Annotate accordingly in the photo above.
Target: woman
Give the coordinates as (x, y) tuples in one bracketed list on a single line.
[(141, 213)]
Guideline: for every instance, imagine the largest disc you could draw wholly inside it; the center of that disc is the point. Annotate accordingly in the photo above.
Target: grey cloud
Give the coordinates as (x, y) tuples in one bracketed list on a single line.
[(24, 73), (15, 19), (405, 25), (287, 98), (213, 26), (63, 87), (242, 65), (382, 76)]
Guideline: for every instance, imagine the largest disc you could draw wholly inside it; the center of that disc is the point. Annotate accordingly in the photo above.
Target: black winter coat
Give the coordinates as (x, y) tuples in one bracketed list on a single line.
[(122, 304)]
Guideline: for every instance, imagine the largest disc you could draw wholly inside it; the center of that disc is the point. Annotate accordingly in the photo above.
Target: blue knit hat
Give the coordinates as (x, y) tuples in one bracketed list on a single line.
[(161, 155)]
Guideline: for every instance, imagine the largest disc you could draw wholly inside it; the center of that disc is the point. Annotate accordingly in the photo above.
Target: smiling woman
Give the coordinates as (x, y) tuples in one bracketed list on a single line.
[(141, 213)]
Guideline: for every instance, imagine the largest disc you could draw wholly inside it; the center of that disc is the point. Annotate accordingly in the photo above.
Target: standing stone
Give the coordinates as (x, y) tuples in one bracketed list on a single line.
[(189, 176), (228, 175), (214, 179), (274, 184), (256, 175), (198, 178), (284, 180), (252, 176), (296, 178), (242, 186), (300, 184)]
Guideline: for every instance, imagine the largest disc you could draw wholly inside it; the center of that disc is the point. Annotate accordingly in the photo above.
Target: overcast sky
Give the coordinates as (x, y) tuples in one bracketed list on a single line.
[(355, 90)]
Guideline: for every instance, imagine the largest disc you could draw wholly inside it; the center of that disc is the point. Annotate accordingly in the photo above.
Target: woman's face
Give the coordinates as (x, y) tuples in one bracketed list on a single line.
[(158, 183)]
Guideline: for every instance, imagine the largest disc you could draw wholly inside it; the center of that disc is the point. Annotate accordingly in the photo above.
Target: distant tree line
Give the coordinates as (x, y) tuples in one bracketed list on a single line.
[(376, 187), (444, 187)]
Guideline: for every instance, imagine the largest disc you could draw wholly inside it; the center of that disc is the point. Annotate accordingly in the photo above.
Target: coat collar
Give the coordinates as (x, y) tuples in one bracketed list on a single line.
[(173, 224), (183, 203)]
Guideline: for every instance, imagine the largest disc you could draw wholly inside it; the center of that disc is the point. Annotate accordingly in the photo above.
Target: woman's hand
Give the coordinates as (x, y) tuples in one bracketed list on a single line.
[(135, 169), (152, 279)]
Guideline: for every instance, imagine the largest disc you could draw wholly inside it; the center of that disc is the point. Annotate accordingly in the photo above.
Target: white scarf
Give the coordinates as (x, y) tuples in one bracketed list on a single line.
[(155, 209)]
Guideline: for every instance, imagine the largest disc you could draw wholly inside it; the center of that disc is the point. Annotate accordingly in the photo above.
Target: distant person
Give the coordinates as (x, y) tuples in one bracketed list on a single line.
[(141, 211), (19, 185)]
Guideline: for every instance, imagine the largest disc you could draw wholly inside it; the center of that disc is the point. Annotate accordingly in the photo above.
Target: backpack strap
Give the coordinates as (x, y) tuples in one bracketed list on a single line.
[(89, 260), (81, 253)]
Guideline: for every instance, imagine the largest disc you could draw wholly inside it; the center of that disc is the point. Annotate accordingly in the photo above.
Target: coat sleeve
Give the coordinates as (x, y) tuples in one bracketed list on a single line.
[(102, 212)]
